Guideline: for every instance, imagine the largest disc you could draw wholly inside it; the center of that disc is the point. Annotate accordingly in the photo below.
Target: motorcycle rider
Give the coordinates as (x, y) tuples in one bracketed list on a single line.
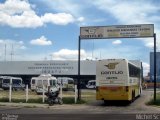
[(53, 95)]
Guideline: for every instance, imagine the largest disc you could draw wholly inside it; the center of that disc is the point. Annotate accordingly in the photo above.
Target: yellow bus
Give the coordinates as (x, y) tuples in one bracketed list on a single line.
[(118, 79)]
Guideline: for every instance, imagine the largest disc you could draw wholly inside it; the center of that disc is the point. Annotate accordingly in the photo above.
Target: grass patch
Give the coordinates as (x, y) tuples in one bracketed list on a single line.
[(87, 96), (70, 100), (4, 99), (157, 102), (37, 100), (66, 100)]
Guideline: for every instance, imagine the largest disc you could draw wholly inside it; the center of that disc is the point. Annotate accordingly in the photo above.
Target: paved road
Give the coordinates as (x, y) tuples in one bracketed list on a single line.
[(92, 110)]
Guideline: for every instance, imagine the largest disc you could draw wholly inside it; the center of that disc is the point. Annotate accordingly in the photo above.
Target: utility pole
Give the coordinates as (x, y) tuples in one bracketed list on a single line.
[(155, 67), (12, 53), (5, 52)]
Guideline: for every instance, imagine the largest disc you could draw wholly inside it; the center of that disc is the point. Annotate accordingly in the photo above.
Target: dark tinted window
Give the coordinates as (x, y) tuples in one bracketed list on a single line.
[(70, 82), (6, 80), (16, 81), (134, 71), (33, 81), (52, 82)]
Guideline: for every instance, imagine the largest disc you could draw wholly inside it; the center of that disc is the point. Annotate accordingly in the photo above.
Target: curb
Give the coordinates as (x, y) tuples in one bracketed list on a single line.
[(28, 105)]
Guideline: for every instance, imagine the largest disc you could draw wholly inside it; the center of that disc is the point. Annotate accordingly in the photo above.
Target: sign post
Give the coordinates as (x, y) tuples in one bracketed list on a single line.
[(79, 76), (117, 31), (155, 68)]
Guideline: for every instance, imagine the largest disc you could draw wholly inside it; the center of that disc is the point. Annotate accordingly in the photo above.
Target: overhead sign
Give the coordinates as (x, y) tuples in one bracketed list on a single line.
[(119, 31)]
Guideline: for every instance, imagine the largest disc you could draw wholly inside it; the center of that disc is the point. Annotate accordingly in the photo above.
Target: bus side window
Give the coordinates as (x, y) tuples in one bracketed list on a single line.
[(133, 71)]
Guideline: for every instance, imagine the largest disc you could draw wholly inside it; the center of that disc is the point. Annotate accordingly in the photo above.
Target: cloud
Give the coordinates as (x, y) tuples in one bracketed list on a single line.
[(117, 42), (69, 6), (17, 13), (77, 9), (149, 44), (41, 41), (126, 12), (66, 54), (11, 7), (146, 68), (80, 19), (20, 13), (59, 19), (132, 12)]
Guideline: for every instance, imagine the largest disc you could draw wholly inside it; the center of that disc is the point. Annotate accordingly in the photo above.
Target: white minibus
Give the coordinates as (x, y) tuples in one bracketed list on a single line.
[(45, 80), (66, 82)]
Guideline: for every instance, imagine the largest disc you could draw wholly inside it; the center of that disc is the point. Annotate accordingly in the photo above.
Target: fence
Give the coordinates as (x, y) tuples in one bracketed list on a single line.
[(27, 95)]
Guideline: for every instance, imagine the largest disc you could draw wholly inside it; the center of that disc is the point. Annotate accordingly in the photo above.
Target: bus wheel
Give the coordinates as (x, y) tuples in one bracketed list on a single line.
[(105, 102)]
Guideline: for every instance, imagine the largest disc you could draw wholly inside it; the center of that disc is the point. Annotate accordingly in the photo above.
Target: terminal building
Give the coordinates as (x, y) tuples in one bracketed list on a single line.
[(152, 66), (28, 69)]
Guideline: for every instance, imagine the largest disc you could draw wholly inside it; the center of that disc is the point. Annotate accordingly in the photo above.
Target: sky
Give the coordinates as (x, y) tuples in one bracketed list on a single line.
[(33, 30)]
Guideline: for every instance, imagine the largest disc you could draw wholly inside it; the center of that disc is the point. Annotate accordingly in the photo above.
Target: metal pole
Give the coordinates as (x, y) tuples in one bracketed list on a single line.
[(75, 94), (61, 94), (43, 94), (155, 67), (27, 93), (79, 77), (10, 92)]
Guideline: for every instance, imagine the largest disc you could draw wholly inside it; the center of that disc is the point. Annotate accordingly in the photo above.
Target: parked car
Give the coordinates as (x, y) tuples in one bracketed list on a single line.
[(91, 84)]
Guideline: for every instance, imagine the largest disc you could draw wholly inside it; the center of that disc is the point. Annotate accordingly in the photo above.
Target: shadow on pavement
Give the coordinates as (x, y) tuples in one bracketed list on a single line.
[(119, 103), (116, 103)]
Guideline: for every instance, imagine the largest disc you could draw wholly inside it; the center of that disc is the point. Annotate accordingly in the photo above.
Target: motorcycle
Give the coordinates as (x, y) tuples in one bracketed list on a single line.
[(53, 96)]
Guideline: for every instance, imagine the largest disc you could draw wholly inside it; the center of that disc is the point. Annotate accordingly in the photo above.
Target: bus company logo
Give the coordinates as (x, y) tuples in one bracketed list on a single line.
[(111, 65), (91, 30)]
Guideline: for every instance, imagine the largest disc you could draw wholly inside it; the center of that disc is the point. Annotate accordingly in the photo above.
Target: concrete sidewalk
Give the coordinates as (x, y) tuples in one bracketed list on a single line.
[(38, 105), (31, 105)]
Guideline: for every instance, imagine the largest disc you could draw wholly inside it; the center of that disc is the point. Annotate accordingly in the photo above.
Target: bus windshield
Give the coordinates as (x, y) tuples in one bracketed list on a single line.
[(45, 82), (39, 83)]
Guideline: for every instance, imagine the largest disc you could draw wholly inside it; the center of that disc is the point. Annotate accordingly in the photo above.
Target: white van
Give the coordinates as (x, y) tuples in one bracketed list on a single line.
[(66, 82), (1, 81), (33, 83), (16, 83), (91, 84), (45, 80)]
